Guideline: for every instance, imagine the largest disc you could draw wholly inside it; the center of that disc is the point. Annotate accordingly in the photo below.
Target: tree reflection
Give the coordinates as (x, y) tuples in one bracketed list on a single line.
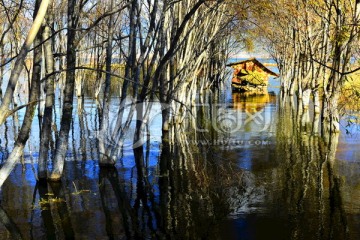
[(178, 189), (9, 225), (183, 197), (194, 192), (111, 191), (42, 187), (311, 187), (60, 210)]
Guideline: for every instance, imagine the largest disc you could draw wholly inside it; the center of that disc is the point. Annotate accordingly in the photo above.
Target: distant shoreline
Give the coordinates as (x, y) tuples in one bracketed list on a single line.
[(270, 64)]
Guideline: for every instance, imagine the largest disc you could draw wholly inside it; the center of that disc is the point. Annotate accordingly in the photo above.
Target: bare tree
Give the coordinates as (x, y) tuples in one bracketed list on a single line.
[(15, 73), (34, 96), (66, 118), (45, 133)]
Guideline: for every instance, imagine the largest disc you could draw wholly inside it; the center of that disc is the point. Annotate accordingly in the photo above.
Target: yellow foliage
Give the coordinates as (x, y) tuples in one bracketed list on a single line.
[(253, 77), (44, 203), (350, 93), (249, 44)]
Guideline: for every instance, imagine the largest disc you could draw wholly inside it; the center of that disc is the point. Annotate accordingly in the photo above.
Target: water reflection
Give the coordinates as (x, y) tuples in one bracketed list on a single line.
[(303, 188), (311, 188), (44, 195), (181, 198), (251, 102), (9, 225), (115, 204), (288, 185)]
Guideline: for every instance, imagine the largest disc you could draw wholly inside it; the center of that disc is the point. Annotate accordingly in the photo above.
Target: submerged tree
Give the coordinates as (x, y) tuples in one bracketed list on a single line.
[(313, 43), (20, 60), (169, 51), (17, 152)]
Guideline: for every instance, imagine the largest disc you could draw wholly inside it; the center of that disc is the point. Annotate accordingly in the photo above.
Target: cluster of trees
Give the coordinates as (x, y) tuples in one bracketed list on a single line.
[(316, 46), (167, 50)]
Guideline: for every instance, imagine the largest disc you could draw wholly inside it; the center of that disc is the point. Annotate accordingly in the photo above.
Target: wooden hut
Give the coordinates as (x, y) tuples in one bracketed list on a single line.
[(250, 76)]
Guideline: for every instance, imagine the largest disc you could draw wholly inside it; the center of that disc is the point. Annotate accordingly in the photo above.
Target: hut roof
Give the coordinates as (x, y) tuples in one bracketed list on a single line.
[(255, 61)]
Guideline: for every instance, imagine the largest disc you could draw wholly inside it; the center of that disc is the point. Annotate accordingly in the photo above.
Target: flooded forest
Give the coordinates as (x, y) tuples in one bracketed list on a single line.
[(151, 119)]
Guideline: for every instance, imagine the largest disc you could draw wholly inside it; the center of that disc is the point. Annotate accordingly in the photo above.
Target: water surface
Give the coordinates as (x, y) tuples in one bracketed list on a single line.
[(243, 169)]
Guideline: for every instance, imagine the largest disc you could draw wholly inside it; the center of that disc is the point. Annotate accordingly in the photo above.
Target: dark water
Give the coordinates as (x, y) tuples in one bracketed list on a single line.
[(244, 169)]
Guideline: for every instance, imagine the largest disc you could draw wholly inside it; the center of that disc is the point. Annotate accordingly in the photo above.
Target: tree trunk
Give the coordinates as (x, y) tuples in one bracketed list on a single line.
[(20, 61), (104, 159), (66, 118), (130, 63), (2, 54), (30, 110), (45, 135)]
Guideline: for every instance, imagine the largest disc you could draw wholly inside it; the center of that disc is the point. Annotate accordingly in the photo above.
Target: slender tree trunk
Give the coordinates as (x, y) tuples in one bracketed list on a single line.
[(66, 118), (45, 135), (130, 63), (98, 65), (30, 110), (330, 113), (3, 59), (20, 61), (316, 101), (104, 159)]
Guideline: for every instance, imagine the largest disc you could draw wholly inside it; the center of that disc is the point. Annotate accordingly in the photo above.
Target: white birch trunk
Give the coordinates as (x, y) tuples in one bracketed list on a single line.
[(16, 71)]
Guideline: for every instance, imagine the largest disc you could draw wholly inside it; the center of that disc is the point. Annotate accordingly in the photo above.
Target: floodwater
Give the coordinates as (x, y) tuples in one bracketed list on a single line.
[(243, 169)]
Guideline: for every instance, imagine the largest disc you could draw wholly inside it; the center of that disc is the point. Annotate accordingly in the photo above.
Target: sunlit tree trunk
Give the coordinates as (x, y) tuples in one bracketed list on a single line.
[(342, 50), (20, 61), (24, 133), (9, 25), (2, 68)]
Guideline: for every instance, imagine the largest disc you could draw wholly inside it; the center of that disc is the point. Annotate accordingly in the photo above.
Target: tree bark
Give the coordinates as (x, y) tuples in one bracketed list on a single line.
[(66, 118), (45, 135), (30, 110), (104, 159), (20, 61), (131, 60)]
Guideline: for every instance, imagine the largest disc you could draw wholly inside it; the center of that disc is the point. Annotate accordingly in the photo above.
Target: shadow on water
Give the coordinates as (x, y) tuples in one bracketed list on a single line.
[(271, 177)]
